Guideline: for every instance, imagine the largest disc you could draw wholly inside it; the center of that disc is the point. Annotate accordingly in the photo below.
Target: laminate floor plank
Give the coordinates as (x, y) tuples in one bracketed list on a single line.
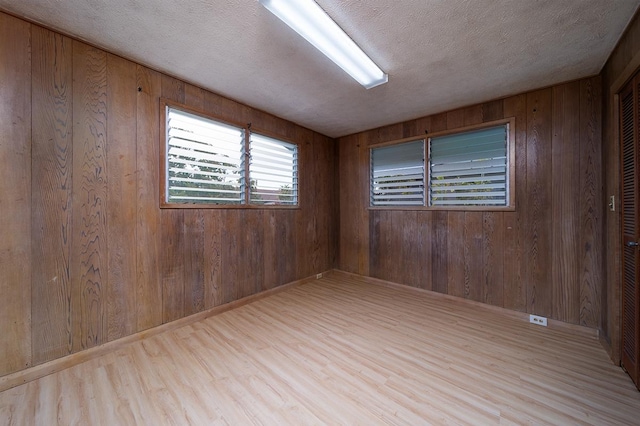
[(340, 350)]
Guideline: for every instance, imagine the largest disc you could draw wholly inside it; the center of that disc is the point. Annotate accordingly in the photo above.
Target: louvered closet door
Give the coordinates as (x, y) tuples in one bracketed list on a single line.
[(629, 134)]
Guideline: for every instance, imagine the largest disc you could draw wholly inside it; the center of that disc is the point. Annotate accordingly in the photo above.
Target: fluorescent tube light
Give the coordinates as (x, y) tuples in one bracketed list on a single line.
[(309, 20)]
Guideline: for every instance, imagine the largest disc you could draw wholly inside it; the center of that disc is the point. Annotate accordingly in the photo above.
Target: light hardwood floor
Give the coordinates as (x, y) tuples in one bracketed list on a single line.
[(340, 350)]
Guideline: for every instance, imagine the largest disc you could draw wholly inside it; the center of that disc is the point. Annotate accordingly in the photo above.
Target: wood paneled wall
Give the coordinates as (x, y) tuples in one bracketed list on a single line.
[(620, 67), (544, 258), (86, 254)]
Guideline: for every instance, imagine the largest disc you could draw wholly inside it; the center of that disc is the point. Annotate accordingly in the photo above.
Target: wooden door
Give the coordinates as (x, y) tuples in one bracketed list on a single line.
[(629, 135)]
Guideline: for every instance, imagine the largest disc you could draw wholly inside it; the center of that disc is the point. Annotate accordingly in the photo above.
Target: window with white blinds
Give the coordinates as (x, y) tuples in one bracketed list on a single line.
[(397, 174), (273, 171), (470, 168), (204, 160)]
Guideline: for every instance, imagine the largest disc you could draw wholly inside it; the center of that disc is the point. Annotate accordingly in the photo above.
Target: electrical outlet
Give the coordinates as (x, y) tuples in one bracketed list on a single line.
[(318, 276), (534, 319), (612, 203)]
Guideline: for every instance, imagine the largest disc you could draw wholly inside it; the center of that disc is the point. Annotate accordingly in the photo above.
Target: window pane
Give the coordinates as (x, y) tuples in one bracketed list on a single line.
[(397, 175), (470, 168), (204, 160), (273, 171)]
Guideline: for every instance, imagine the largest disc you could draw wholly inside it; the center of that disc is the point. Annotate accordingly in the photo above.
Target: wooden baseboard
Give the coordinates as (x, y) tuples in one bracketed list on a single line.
[(524, 316), (24, 376)]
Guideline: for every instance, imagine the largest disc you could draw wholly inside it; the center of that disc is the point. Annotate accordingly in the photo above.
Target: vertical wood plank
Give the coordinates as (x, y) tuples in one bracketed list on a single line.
[(52, 124), (349, 238), (565, 163), (270, 255), (15, 187), (410, 250), (515, 284), (472, 115), (121, 197), (457, 266), (394, 245), (149, 281), (538, 214), (425, 225), (194, 261), (89, 244), (363, 204), (591, 231), (493, 110), (285, 240), (455, 119), (229, 268), (493, 258), (243, 253), (374, 246), (212, 256), (440, 253), (172, 265), (194, 96), (253, 259), (473, 256)]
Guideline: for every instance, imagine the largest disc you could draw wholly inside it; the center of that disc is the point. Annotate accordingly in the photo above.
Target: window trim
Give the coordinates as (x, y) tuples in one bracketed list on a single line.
[(511, 167), (247, 128)]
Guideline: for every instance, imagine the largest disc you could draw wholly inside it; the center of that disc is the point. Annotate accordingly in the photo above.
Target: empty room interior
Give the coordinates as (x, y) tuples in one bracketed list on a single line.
[(427, 215)]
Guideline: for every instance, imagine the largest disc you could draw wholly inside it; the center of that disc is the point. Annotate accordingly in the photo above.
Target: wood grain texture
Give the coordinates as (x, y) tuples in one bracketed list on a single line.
[(473, 255), (363, 202), (565, 163), (591, 207), (322, 353), (515, 285), (457, 270), (84, 242), (89, 278), (194, 261), (148, 222), (172, 264), (15, 202), (213, 252), (349, 239), (538, 237), (51, 220), (440, 253), (425, 226), (122, 197), (493, 258), (531, 259)]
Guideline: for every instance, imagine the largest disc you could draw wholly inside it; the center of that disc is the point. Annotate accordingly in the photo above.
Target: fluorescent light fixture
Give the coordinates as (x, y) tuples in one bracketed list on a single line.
[(309, 20)]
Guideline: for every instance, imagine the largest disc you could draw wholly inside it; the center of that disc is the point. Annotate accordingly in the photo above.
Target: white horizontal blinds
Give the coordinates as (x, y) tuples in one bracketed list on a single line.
[(204, 160), (469, 169), (273, 171), (397, 175)]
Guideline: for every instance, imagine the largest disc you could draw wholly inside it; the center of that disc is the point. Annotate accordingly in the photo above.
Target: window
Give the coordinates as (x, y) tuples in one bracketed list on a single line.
[(397, 175), (468, 169), (205, 160), (273, 170), (204, 164)]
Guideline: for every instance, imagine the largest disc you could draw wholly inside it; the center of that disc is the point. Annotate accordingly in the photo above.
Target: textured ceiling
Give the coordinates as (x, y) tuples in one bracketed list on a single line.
[(439, 54)]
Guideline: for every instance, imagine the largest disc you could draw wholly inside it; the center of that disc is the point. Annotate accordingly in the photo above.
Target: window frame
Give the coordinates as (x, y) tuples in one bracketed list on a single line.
[(511, 168), (165, 104)]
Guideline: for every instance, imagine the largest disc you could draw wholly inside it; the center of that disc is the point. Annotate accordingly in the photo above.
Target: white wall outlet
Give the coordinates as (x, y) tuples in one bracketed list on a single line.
[(612, 203), (535, 319), (318, 276)]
